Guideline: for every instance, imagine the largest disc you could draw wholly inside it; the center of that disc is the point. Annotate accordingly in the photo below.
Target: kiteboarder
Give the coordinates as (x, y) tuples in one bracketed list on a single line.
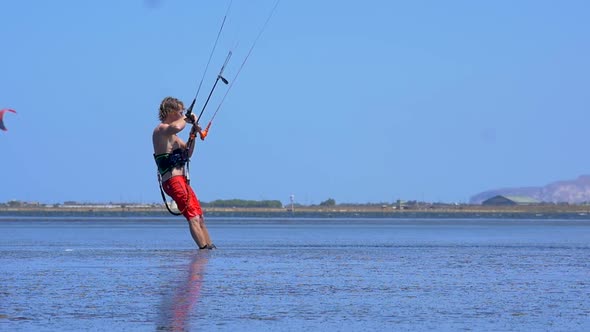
[(172, 155)]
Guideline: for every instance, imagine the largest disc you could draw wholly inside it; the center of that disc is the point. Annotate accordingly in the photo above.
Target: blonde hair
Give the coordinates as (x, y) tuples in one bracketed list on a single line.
[(169, 105)]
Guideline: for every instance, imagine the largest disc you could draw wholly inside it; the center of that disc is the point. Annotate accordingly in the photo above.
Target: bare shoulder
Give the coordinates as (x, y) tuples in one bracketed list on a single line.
[(167, 129), (162, 131), (161, 128)]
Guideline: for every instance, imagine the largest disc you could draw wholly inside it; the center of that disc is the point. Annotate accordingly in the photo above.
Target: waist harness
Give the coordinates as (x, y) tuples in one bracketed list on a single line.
[(167, 161)]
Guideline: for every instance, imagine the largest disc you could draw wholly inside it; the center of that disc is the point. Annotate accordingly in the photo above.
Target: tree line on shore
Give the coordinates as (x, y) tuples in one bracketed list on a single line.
[(219, 203), (242, 203)]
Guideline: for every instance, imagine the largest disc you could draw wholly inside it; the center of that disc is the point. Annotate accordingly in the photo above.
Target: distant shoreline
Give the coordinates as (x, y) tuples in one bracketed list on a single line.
[(479, 209)]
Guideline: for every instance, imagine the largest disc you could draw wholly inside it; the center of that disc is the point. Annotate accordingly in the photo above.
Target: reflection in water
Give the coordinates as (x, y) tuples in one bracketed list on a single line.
[(184, 294)]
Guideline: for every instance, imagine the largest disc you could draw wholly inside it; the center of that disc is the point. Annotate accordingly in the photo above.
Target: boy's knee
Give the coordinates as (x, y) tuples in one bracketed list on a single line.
[(198, 220)]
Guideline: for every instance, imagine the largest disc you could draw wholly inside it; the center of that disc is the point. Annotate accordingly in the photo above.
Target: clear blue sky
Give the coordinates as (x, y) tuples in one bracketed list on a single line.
[(360, 101)]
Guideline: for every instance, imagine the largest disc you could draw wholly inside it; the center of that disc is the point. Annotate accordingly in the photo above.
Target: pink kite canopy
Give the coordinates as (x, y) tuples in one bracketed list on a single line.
[(2, 126)]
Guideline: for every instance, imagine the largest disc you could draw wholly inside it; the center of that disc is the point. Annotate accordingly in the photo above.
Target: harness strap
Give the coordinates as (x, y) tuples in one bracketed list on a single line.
[(164, 197), (166, 202), (165, 163)]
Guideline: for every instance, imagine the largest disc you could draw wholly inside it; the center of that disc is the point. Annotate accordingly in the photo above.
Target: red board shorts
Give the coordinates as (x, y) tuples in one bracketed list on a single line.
[(184, 196)]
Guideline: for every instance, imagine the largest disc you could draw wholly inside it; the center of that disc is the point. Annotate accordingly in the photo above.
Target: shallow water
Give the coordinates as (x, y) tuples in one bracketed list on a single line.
[(140, 273)]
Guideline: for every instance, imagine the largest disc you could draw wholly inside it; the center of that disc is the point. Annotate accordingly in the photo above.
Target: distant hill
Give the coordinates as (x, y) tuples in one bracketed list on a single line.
[(570, 191)]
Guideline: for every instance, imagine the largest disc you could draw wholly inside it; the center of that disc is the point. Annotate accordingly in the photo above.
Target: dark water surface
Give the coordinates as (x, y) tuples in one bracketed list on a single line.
[(299, 274)]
